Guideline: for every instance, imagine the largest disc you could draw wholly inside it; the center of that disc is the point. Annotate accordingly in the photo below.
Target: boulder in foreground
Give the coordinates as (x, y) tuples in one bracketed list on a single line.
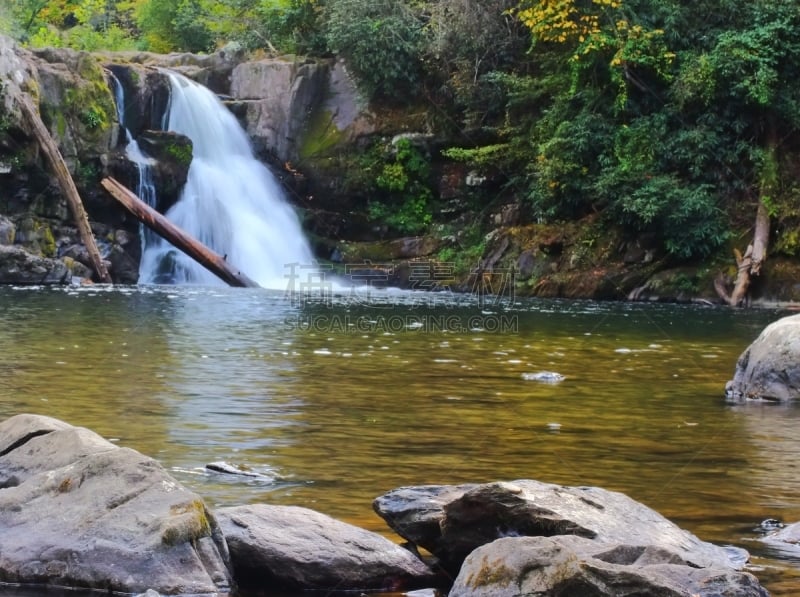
[(452, 521), (571, 565), (299, 548), (77, 511)]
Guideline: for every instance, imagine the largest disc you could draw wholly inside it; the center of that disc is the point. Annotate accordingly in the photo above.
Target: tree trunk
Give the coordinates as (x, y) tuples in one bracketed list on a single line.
[(59, 168), (749, 264), (210, 260)]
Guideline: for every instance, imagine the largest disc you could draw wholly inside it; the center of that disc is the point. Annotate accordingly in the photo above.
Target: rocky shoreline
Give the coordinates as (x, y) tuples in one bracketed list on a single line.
[(79, 512)]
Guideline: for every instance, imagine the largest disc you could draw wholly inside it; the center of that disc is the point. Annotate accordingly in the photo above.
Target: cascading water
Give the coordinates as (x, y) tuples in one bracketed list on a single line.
[(231, 202), (145, 188)]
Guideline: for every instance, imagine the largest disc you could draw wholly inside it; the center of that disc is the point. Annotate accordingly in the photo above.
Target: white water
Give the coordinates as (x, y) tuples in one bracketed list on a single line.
[(145, 188), (231, 202)]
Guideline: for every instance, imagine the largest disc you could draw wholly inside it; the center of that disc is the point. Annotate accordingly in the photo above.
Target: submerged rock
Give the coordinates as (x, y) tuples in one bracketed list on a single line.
[(459, 519), (769, 369), (77, 511), (572, 565), (302, 549), (543, 377)]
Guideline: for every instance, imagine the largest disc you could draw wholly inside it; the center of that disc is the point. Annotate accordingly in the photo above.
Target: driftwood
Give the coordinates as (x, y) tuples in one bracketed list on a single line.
[(59, 168), (148, 216)]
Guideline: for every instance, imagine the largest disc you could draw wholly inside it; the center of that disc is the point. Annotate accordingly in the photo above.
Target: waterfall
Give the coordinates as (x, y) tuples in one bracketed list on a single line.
[(145, 188), (231, 202)]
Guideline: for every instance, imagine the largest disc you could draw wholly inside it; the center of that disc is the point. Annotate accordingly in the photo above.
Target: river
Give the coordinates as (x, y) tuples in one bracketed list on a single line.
[(338, 399)]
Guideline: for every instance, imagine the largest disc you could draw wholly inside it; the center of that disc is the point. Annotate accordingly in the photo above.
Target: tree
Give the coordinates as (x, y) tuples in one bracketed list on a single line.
[(169, 25), (754, 69)]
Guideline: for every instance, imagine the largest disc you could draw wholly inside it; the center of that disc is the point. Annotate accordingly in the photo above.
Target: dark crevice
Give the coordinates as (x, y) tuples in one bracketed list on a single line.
[(24, 440)]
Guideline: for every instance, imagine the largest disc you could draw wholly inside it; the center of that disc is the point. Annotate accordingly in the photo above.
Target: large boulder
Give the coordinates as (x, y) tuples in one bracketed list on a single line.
[(299, 548), (452, 521), (77, 511), (571, 565), (769, 369)]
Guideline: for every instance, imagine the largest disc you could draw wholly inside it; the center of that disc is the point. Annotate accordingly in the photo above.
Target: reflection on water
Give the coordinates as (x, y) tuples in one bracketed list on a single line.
[(335, 404)]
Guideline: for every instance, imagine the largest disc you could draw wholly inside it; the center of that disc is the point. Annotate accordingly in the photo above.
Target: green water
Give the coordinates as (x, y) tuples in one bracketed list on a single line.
[(337, 403)]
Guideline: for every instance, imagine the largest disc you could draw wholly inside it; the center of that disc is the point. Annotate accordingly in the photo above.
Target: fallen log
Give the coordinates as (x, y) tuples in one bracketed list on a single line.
[(159, 224), (59, 168)]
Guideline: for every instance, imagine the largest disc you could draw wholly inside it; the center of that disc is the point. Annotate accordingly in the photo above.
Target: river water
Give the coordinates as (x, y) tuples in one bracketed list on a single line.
[(338, 399)]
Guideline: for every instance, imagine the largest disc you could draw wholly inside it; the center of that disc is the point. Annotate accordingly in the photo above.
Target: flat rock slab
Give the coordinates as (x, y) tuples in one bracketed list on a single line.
[(769, 369), (452, 521), (77, 511), (572, 565), (299, 548)]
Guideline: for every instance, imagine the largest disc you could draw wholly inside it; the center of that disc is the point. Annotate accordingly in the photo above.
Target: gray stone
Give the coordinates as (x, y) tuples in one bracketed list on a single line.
[(769, 369), (571, 565), (416, 513), (451, 522), (278, 95), (18, 266), (8, 231), (78, 511), (303, 549), (786, 540), (16, 73)]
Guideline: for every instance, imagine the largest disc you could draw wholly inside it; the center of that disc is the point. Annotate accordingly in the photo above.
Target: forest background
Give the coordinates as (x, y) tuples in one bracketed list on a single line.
[(673, 120)]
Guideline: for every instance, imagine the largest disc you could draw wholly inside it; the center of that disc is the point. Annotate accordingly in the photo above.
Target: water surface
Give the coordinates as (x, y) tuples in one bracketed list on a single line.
[(336, 402)]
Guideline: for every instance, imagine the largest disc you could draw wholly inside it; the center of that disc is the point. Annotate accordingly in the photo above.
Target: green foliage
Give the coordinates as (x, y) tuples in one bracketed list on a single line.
[(466, 250), (92, 117), (180, 152), (381, 42), (406, 204), (174, 25)]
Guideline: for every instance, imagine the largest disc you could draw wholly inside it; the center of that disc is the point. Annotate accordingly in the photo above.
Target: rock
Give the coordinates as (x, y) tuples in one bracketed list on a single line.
[(785, 539), (543, 377), (76, 103), (526, 265), (459, 519), (509, 215), (416, 513), (146, 92), (278, 96), (238, 471), (77, 511), (302, 549), (769, 369), (571, 565), (172, 153), (7, 231), (16, 73), (18, 266)]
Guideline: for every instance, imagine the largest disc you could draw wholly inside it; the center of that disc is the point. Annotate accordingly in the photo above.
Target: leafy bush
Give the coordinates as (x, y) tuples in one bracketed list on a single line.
[(405, 206), (381, 41)]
